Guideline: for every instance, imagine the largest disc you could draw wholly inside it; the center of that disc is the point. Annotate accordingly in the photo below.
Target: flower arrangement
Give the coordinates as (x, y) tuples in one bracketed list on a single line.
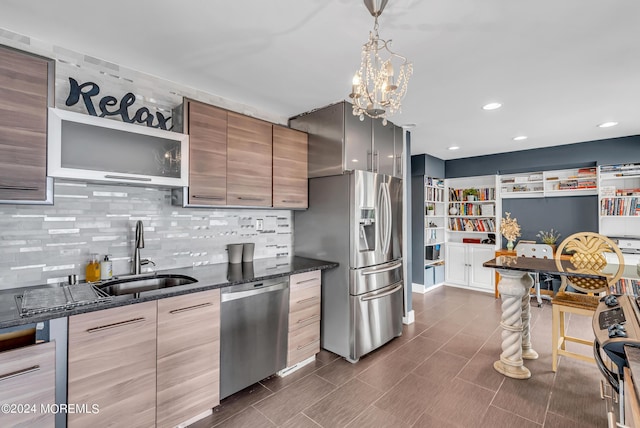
[(509, 228), (470, 192), (549, 237)]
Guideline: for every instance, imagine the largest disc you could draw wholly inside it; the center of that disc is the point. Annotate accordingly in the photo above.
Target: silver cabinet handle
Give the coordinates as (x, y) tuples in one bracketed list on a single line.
[(25, 188), (19, 373), (234, 295), (308, 300), (308, 319), (242, 198), (292, 201), (190, 308), (114, 325), (213, 198), (124, 177), (305, 346), (378, 296), (384, 269), (306, 280)]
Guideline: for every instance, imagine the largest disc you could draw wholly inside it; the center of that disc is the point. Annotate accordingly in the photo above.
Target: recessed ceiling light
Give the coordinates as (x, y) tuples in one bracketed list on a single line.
[(520, 138), (454, 148), (607, 124), (354, 160), (491, 106)]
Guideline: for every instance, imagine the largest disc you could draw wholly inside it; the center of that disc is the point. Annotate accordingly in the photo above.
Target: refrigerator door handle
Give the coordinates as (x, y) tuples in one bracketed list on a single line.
[(380, 294), (387, 218), (384, 269)]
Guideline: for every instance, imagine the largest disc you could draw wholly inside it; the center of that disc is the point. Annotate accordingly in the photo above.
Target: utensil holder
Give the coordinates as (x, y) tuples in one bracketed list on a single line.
[(235, 253), (247, 252)]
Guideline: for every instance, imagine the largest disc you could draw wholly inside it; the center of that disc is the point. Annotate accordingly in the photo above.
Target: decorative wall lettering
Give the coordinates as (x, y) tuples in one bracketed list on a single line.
[(88, 90)]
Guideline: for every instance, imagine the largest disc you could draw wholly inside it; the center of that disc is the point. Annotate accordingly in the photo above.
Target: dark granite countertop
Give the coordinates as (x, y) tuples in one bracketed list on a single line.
[(209, 277)]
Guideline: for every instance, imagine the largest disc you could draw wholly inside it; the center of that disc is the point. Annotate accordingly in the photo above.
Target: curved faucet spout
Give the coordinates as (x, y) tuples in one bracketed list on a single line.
[(137, 265), (139, 234)]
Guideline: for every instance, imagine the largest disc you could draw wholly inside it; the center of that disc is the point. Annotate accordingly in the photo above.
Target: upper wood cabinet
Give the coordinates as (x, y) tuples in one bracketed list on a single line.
[(249, 161), (112, 363), (24, 99), (207, 129), (188, 356), (290, 188)]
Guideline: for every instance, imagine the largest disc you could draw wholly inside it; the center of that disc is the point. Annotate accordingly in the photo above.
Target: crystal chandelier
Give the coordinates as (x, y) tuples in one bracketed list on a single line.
[(377, 91)]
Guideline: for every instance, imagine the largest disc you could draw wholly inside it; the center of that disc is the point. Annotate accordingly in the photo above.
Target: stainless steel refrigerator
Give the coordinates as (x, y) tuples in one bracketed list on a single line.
[(355, 219)]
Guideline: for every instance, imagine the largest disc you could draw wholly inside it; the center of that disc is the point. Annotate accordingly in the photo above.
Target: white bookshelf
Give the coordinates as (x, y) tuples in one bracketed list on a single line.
[(434, 229), (545, 184), (619, 200)]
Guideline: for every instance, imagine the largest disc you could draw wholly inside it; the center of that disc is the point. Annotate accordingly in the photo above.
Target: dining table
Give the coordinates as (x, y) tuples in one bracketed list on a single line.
[(514, 285)]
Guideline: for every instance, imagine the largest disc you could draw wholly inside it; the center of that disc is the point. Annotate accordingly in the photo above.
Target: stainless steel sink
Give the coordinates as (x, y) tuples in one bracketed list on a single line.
[(140, 284)]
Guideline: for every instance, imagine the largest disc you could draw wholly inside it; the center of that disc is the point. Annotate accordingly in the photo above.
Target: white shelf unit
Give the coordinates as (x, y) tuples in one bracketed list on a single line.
[(464, 260), (434, 232), (471, 218), (541, 184), (619, 200)]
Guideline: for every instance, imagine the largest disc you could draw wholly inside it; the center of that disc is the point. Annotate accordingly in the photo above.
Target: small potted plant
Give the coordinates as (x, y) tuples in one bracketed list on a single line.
[(431, 209), (470, 194), (549, 237)]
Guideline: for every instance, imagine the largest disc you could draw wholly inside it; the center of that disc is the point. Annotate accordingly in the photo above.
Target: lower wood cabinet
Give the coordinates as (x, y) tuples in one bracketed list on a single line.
[(188, 370), (304, 316), (112, 363), (27, 377)]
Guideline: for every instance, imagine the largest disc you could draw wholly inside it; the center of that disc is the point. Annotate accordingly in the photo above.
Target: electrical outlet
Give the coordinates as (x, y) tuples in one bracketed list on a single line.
[(259, 224)]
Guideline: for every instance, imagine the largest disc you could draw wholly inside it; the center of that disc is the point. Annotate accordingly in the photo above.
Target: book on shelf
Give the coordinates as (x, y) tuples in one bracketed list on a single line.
[(626, 286), (620, 207)]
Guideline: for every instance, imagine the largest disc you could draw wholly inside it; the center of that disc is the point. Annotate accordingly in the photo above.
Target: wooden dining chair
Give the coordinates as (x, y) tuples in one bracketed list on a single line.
[(541, 251), (587, 251)]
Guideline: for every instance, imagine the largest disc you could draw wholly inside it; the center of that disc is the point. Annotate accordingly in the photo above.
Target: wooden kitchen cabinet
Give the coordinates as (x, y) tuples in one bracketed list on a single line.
[(27, 378), (249, 161), (304, 316), (207, 129), (112, 364), (188, 370), (290, 189), (24, 99)]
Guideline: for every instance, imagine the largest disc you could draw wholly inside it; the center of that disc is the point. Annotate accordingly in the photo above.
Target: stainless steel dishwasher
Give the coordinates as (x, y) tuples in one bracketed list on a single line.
[(253, 332)]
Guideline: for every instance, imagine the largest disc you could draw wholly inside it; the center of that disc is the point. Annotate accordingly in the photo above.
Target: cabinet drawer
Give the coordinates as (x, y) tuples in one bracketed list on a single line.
[(304, 297), (304, 317), (303, 343), (27, 376), (304, 279)]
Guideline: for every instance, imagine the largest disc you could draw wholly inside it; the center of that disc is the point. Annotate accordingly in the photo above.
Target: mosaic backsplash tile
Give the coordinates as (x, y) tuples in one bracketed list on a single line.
[(44, 244)]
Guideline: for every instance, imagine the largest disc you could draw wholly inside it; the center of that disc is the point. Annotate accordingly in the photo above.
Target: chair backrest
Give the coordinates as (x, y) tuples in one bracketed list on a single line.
[(587, 255), (541, 251)]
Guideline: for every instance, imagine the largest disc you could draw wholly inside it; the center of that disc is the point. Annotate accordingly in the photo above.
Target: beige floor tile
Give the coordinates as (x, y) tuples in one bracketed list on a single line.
[(385, 374), (249, 417), (461, 403), (441, 367), (499, 418), (234, 404), (373, 417), (408, 399)]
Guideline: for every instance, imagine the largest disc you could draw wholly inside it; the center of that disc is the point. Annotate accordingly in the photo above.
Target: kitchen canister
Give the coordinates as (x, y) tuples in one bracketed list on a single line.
[(247, 252), (235, 253)]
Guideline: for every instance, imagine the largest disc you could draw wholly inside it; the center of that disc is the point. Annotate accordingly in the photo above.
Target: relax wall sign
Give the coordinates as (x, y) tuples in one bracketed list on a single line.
[(110, 106)]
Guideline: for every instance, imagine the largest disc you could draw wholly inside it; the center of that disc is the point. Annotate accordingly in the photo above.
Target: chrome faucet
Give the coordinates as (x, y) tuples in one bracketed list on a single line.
[(137, 262)]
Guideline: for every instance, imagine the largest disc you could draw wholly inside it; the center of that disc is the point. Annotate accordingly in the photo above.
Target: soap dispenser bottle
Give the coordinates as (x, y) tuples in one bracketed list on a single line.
[(106, 268), (93, 269)]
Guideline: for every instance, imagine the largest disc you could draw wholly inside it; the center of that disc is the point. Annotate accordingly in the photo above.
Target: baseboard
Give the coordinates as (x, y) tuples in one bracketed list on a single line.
[(410, 318), (465, 287), (195, 419), (288, 370), (419, 288)]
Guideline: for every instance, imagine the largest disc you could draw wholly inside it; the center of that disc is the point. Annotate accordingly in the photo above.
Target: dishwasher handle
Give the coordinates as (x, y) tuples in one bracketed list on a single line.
[(235, 295)]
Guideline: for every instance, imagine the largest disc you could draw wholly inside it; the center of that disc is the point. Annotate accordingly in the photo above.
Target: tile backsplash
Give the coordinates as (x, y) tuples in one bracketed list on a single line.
[(44, 244)]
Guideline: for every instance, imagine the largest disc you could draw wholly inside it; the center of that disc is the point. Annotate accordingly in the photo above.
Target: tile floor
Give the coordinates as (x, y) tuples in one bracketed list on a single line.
[(439, 373)]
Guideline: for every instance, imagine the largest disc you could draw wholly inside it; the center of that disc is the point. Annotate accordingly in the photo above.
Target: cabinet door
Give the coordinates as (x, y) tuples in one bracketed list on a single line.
[(383, 157), (249, 161), (23, 125), (27, 377), (456, 263), (188, 356), (358, 147), (112, 364), (398, 150), (290, 189), (207, 154), (479, 276)]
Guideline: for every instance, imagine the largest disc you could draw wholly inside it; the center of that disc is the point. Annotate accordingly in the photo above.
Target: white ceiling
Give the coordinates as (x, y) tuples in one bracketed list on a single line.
[(560, 67)]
